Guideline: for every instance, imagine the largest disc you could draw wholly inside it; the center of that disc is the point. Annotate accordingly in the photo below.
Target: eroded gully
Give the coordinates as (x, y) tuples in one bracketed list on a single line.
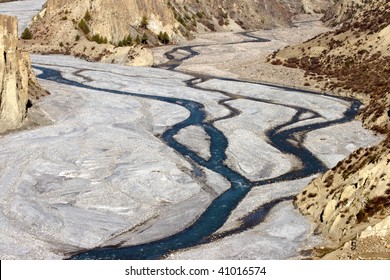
[(202, 230)]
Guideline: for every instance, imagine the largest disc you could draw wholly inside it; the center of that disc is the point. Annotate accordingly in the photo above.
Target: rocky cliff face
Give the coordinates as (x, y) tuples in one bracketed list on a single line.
[(352, 200), (18, 85), (351, 196), (118, 31)]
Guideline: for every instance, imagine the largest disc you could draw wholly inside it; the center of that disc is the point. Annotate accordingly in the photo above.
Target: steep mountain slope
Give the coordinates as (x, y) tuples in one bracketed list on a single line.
[(116, 31), (350, 199), (18, 85)]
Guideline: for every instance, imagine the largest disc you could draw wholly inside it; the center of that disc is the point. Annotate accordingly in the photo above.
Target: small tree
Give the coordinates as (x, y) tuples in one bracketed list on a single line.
[(128, 40), (163, 37), (97, 38), (27, 35), (144, 22)]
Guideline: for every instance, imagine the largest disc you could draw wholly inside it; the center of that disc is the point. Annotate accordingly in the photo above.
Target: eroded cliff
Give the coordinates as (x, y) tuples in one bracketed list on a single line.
[(18, 85)]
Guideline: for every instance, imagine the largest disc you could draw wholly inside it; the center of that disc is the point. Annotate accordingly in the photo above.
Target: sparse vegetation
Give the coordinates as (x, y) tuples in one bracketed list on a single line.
[(84, 26), (99, 39), (87, 16), (144, 23), (163, 37), (126, 41), (144, 39), (27, 35)]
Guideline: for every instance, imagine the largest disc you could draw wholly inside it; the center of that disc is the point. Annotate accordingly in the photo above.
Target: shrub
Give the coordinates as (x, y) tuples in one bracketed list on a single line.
[(181, 20), (144, 22), (27, 35), (200, 14), (84, 26), (163, 37), (144, 39), (99, 39), (77, 37), (126, 41)]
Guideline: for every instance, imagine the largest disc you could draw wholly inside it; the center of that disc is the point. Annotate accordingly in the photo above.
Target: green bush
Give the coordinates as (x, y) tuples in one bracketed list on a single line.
[(163, 37), (144, 22), (27, 35), (144, 39), (84, 26), (127, 41), (99, 39)]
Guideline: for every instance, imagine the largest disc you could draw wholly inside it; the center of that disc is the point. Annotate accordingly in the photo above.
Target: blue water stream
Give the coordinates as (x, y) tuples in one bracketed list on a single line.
[(219, 210)]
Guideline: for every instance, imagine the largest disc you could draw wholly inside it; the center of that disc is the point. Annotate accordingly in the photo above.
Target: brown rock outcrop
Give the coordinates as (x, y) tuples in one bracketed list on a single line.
[(18, 85), (352, 196)]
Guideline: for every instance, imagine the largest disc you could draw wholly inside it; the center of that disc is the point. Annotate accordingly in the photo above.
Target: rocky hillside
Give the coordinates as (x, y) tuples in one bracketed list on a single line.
[(343, 10), (353, 60), (118, 31), (18, 85), (352, 200)]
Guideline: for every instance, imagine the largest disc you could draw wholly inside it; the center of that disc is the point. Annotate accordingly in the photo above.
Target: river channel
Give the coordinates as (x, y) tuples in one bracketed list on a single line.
[(202, 229)]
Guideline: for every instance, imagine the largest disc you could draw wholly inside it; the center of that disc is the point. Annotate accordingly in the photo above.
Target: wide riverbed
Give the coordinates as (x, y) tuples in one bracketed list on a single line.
[(157, 161), (110, 169)]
